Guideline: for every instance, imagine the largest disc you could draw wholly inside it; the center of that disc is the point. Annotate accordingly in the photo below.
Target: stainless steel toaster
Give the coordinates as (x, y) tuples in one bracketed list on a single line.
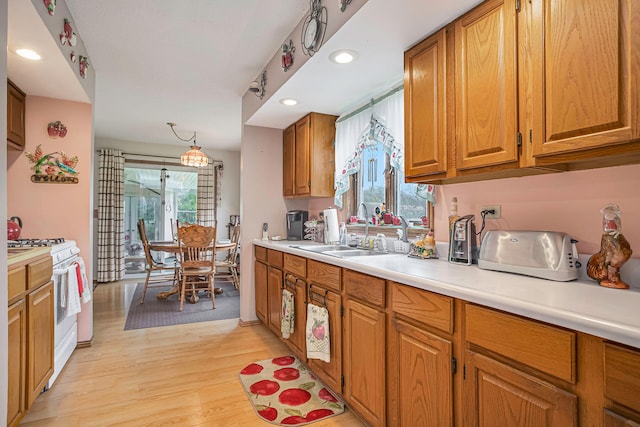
[(545, 254)]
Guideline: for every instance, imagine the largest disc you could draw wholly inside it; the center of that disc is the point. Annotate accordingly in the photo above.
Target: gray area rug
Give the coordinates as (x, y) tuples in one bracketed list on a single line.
[(155, 312)]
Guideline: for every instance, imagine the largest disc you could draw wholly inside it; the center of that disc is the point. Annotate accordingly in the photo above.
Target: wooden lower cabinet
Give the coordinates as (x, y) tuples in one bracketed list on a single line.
[(296, 341), (364, 361), (17, 354), (274, 290), (262, 303), (611, 419), (496, 394), (422, 378), (40, 331)]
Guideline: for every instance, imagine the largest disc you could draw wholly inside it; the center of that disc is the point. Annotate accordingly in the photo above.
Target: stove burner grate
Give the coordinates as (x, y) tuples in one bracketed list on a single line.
[(34, 243)]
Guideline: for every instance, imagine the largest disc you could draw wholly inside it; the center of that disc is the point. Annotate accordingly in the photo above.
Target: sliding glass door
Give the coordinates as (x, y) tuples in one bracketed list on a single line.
[(160, 195)]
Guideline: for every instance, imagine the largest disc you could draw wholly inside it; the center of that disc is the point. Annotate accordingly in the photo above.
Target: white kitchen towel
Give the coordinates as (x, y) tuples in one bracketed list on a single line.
[(288, 320), (86, 286), (63, 282), (73, 295), (318, 333)]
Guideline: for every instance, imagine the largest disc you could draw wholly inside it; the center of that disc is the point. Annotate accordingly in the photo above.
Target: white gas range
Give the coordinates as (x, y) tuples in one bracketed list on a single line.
[(64, 254)]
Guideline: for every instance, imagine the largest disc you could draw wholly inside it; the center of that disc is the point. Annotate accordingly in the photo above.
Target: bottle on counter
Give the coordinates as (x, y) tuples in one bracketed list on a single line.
[(453, 214), (343, 234)]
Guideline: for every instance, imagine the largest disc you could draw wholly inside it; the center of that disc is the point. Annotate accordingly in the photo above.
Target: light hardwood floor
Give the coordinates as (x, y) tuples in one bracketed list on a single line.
[(184, 375)]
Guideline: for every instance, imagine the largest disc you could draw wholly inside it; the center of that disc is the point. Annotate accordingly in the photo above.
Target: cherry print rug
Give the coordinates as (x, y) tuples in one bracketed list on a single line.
[(284, 392)]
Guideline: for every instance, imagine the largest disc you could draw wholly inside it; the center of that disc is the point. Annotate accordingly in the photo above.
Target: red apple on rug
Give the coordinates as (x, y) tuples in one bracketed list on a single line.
[(283, 361), (264, 387), (252, 369), (286, 374), (325, 395), (316, 414), (294, 397), (293, 420), (267, 412)]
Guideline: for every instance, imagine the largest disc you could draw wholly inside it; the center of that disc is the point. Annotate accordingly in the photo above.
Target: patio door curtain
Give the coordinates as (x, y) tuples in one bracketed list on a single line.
[(110, 215)]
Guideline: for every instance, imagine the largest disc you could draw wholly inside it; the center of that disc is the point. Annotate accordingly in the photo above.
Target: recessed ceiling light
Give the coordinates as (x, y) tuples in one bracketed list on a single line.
[(343, 56), (27, 53), (288, 101)]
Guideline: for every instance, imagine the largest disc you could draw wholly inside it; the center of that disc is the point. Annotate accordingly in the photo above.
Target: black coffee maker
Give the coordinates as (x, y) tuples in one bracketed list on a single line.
[(295, 224)]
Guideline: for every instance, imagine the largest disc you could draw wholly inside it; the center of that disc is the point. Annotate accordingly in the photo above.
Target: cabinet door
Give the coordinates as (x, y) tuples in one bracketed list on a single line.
[(17, 355), (486, 86), (40, 340), (364, 361), (585, 74), (274, 289), (424, 105), (498, 395), (303, 157), (296, 340), (262, 304), (330, 372), (422, 371), (288, 161), (611, 419), (15, 117)]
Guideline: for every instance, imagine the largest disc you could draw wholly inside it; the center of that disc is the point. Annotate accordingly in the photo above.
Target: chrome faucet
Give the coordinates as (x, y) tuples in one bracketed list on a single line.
[(366, 223), (404, 224)]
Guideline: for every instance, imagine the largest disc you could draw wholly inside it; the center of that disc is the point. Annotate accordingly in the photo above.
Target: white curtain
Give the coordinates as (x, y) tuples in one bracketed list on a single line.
[(208, 181), (382, 121), (110, 215)]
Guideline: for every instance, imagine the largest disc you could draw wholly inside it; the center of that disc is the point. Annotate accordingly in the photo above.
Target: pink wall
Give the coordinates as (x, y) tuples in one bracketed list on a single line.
[(569, 202), (55, 210)]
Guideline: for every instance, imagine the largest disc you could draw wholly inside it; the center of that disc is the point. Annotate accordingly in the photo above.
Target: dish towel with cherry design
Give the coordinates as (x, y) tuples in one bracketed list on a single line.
[(288, 314), (318, 333)]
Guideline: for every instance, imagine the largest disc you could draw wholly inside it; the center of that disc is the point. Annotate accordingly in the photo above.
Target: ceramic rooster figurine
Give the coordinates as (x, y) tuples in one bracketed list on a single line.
[(615, 250)]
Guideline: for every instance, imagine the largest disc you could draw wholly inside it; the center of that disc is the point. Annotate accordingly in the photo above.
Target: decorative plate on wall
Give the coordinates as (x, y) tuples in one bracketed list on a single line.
[(313, 28)]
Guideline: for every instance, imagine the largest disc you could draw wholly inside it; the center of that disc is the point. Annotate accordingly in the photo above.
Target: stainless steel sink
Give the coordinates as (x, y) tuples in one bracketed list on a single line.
[(323, 248), (349, 252)]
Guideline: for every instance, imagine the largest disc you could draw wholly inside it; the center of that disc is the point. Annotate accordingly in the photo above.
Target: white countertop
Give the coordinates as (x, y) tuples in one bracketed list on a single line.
[(582, 305)]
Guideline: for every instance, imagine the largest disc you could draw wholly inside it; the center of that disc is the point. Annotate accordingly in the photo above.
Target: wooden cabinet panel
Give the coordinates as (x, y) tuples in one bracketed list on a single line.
[(585, 73), (611, 419), (40, 342), (296, 265), (486, 86), (261, 253), (17, 283), (546, 348), (288, 161), (275, 258), (365, 288), (296, 341), (262, 298), (303, 157), (423, 306), (330, 372), (498, 395), (325, 274), (17, 360), (622, 376), (15, 117), (274, 290), (425, 107), (364, 361), (423, 378), (39, 272)]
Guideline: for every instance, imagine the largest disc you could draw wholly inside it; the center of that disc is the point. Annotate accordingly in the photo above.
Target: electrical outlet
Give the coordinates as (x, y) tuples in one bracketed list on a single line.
[(497, 211)]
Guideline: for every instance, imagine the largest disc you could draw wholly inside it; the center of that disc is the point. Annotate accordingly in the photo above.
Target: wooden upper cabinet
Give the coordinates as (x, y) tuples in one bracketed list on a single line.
[(585, 74), (288, 161), (309, 156), (15, 117), (425, 107), (486, 86)]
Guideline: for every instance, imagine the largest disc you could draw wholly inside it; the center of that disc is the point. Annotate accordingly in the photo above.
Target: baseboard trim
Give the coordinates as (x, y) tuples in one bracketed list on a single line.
[(85, 344), (250, 322)]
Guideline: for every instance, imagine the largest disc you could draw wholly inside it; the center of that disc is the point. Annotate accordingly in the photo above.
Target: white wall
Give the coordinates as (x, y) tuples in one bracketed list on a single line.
[(3, 213), (262, 201)]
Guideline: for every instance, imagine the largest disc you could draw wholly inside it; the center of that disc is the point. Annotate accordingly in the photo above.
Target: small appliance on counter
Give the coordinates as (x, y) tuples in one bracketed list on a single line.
[(462, 242), (295, 224), (545, 254)]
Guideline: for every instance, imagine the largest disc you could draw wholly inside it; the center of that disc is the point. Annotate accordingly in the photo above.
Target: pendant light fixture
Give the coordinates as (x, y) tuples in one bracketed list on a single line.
[(193, 157)]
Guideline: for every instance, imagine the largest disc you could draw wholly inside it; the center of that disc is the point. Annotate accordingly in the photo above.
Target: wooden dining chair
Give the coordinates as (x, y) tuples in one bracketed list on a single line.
[(197, 245), (158, 281), (231, 260)]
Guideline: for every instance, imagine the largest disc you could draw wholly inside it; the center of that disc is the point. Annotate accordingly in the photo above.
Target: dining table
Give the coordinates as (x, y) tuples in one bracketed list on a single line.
[(173, 247)]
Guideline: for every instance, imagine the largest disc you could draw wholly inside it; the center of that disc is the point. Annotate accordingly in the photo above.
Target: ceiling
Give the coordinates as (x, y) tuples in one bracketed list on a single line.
[(190, 62)]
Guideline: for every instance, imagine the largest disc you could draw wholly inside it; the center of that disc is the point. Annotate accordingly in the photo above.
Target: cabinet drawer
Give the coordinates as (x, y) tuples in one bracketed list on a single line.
[(423, 306), (622, 375), (261, 253), (17, 282), (296, 265), (364, 288), (546, 348), (324, 274), (274, 258), (39, 272)]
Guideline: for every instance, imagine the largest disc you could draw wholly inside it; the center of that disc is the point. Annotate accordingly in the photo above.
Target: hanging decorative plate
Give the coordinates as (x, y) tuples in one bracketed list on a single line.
[(51, 6), (287, 55), (313, 28), (84, 65)]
